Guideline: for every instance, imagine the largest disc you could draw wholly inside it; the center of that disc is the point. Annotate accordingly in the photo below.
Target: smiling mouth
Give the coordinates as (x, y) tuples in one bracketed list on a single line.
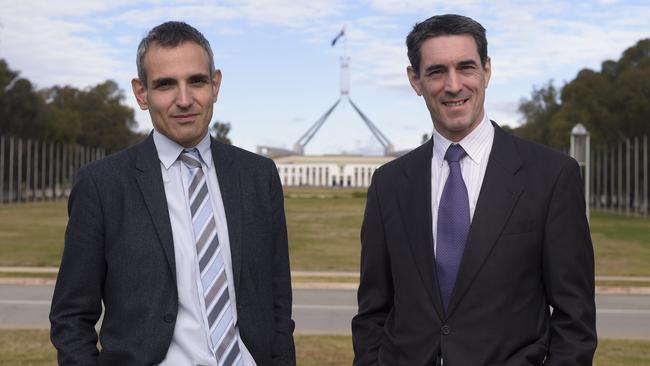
[(455, 103)]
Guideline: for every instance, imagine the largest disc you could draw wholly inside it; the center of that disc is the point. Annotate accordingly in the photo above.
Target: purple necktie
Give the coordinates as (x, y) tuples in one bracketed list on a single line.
[(453, 224)]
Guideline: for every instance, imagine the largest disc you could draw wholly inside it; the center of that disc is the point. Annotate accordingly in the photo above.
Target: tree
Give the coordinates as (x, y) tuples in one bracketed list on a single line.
[(95, 116), (219, 130), (587, 100), (64, 118), (21, 107), (92, 117), (538, 112), (612, 104)]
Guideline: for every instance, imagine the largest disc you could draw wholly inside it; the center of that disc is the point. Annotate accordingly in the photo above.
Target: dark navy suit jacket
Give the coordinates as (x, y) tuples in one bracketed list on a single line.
[(119, 250), (528, 248)]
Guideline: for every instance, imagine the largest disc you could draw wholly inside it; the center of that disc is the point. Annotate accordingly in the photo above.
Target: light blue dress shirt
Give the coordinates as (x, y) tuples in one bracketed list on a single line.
[(190, 343)]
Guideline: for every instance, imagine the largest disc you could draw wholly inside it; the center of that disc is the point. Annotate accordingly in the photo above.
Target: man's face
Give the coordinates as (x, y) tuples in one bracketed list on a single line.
[(452, 82), (179, 93)]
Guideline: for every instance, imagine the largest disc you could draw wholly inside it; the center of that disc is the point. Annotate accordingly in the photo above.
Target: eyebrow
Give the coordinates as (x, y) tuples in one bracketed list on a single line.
[(467, 63), (171, 81), (462, 63), (163, 81), (199, 77)]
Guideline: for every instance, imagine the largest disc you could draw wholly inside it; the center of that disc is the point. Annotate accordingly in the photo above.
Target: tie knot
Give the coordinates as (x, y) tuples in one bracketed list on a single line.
[(454, 153), (191, 158)]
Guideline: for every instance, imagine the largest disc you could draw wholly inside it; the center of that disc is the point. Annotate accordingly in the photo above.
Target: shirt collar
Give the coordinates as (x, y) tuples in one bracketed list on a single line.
[(472, 143), (169, 150)]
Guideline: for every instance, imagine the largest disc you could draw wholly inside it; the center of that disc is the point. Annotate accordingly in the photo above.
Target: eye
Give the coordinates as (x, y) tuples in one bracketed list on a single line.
[(467, 68), (163, 85), (198, 81), (435, 72)]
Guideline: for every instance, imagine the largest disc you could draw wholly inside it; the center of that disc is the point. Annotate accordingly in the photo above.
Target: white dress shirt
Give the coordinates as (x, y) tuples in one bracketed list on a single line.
[(190, 343), (478, 145)]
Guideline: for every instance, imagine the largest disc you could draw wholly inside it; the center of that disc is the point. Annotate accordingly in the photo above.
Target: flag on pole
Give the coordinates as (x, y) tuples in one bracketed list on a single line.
[(341, 34)]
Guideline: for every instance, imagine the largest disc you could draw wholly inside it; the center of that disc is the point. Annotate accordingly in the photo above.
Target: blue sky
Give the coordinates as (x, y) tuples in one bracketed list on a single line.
[(280, 73)]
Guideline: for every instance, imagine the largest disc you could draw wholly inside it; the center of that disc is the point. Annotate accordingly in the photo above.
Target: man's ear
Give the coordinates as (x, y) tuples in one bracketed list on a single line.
[(216, 84), (414, 79), (488, 71), (140, 92)]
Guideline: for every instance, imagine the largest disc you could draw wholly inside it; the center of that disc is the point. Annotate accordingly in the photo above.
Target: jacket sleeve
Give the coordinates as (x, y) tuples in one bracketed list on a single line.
[(76, 303), (283, 349), (568, 273), (375, 294)]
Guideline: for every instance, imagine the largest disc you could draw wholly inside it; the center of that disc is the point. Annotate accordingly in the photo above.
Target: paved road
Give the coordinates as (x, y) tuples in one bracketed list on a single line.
[(330, 311)]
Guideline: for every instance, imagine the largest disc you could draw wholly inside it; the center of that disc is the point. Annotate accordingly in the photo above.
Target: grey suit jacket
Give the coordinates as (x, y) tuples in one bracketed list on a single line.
[(528, 249), (119, 251)]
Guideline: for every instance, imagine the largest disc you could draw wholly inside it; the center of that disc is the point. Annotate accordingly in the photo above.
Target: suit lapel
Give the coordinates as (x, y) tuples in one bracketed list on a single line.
[(502, 186), (231, 194), (415, 205), (150, 181)]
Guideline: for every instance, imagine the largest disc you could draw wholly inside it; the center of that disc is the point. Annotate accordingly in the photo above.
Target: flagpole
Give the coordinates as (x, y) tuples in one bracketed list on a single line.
[(345, 41), (345, 66)]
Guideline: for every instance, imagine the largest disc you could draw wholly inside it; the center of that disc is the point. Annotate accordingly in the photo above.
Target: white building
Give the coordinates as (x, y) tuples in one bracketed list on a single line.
[(328, 170)]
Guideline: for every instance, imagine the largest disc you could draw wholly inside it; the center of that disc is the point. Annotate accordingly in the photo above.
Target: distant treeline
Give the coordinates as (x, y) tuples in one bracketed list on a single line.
[(613, 103), (94, 117)]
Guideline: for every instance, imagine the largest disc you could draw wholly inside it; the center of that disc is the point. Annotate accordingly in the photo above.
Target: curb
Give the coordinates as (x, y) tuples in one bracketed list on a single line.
[(622, 290), (324, 286), (27, 281), (297, 285), (315, 285)]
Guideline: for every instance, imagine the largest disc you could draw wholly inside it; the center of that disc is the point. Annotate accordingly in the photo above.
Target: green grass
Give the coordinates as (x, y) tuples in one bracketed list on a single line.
[(32, 234), (622, 353), (324, 232), (316, 350), (323, 229), (32, 347), (621, 244), (26, 347)]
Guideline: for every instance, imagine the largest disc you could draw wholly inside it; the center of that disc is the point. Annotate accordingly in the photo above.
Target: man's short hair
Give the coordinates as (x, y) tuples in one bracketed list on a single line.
[(444, 25), (169, 35)]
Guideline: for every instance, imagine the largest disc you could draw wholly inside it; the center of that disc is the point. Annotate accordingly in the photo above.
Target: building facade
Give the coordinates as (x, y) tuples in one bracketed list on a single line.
[(328, 170)]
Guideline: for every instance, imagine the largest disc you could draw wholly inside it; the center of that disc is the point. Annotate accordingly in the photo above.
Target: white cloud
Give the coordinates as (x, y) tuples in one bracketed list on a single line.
[(202, 15), (56, 51), (82, 42), (58, 8), (423, 6), (289, 13), (381, 23)]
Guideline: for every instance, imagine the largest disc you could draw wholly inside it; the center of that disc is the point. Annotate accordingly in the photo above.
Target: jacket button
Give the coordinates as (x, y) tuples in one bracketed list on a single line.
[(168, 318), (445, 330)]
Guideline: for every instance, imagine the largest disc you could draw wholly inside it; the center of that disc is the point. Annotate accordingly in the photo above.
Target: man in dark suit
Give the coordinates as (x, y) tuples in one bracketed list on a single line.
[(475, 246), (183, 239)]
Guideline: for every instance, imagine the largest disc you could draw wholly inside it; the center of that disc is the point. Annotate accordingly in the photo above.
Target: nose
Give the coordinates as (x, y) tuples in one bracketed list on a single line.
[(184, 98), (453, 84)]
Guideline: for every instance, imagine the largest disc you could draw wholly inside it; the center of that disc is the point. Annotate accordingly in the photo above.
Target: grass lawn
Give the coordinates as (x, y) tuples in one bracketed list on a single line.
[(32, 234), (621, 244), (323, 229), (26, 347), (32, 347)]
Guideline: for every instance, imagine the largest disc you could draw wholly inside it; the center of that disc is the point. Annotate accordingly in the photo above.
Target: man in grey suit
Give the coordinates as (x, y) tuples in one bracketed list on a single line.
[(183, 239)]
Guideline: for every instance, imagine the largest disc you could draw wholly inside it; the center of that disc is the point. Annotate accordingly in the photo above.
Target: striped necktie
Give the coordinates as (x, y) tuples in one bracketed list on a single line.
[(221, 328)]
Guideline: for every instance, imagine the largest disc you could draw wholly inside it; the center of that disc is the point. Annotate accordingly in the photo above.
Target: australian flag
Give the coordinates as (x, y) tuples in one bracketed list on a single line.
[(341, 34)]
